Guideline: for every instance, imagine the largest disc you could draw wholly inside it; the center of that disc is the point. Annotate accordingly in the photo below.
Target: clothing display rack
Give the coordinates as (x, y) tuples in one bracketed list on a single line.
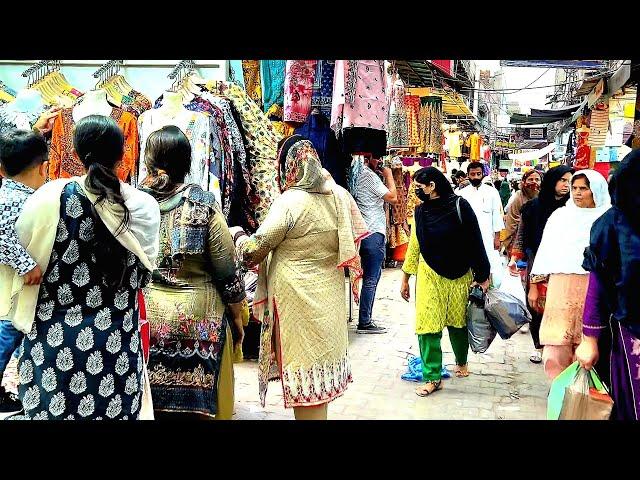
[(39, 70), (180, 71), (108, 70)]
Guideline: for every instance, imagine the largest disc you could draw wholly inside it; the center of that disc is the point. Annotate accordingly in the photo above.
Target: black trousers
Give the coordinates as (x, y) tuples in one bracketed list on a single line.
[(534, 327)]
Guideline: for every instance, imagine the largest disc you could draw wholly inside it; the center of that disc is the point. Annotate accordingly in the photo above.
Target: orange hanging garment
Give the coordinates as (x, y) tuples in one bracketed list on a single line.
[(62, 164)]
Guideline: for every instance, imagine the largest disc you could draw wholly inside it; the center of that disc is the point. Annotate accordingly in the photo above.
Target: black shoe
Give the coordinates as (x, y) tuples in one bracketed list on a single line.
[(371, 328), (9, 402)]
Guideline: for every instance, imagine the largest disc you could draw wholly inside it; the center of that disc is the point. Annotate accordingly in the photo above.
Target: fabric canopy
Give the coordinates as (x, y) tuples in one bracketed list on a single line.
[(566, 111)]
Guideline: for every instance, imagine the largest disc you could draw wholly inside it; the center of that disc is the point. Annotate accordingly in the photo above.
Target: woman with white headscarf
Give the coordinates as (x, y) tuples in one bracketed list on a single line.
[(559, 259)]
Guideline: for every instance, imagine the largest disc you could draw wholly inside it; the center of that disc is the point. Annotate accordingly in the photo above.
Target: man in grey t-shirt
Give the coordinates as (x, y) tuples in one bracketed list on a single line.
[(370, 194)]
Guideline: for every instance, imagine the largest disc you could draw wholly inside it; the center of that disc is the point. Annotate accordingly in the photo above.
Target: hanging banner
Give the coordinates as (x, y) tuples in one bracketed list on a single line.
[(533, 155)]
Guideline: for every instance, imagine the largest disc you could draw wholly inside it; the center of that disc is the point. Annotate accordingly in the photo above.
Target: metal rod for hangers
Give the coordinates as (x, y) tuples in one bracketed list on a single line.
[(183, 64), (97, 64), (35, 67), (106, 67)]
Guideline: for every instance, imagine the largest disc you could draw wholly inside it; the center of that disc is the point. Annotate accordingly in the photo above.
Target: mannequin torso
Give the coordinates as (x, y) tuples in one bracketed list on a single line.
[(93, 103)]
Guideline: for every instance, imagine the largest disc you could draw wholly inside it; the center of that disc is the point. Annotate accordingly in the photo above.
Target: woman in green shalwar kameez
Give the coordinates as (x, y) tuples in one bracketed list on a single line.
[(445, 248)]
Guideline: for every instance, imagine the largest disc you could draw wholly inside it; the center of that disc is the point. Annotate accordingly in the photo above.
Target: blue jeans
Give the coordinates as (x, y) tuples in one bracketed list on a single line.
[(10, 339), (372, 255)]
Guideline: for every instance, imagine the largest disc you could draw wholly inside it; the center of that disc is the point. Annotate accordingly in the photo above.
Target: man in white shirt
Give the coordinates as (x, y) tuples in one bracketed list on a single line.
[(486, 203)]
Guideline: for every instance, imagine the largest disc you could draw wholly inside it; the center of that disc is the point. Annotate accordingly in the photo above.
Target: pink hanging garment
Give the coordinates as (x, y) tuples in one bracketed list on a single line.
[(298, 89)]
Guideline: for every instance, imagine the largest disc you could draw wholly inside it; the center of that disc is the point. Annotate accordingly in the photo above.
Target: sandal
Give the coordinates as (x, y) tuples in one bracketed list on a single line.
[(428, 388), (462, 370), (536, 357)]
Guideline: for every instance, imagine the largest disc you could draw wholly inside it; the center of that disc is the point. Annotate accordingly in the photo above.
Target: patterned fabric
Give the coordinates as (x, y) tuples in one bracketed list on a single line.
[(195, 278), (359, 97), (583, 152), (430, 125), (261, 144), (135, 103), (62, 163), (398, 128), (273, 73), (261, 139), (412, 103), (196, 126), (240, 210), (318, 132), (440, 302), (303, 169), (83, 357), (252, 82), (218, 152), (398, 214), (13, 195), (298, 88), (323, 86)]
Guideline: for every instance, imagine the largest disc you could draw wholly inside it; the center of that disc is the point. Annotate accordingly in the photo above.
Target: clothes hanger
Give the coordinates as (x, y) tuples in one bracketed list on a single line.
[(6, 96)]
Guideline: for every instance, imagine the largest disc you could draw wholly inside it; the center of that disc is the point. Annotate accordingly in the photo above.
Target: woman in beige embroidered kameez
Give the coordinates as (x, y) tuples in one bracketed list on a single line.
[(312, 232)]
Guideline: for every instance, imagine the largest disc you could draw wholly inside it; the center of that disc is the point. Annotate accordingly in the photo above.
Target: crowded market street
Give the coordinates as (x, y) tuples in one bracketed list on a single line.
[(319, 240), (503, 385)]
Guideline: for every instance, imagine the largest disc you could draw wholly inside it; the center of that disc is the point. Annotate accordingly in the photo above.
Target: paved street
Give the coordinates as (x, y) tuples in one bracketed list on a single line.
[(503, 383)]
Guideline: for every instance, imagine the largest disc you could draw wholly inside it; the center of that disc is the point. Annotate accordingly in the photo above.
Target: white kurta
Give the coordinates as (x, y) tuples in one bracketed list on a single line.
[(486, 204)]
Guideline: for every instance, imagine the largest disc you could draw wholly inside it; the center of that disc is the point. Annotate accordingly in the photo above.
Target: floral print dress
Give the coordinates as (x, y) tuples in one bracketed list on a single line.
[(82, 359), (186, 303)]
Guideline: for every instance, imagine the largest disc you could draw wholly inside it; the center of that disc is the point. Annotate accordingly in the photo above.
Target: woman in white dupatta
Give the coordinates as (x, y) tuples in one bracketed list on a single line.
[(559, 259), (96, 239)]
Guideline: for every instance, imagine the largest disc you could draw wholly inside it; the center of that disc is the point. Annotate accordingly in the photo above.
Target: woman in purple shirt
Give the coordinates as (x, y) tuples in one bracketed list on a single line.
[(613, 260)]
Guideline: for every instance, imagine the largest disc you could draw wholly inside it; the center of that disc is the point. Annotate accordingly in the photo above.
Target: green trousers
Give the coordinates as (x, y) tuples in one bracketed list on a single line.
[(431, 352)]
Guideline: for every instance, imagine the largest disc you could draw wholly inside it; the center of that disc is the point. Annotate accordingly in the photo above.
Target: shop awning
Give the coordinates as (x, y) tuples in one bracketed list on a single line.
[(453, 104), (567, 111), (519, 119), (416, 73), (534, 155)]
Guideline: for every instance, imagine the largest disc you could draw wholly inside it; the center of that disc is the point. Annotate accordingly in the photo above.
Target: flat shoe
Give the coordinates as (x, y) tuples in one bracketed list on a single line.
[(425, 391)]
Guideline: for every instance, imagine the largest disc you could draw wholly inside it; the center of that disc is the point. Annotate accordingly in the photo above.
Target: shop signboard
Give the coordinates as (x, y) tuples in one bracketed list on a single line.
[(505, 144), (536, 133)]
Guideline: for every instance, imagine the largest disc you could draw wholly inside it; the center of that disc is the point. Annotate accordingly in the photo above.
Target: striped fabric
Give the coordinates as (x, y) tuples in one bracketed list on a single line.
[(598, 128)]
